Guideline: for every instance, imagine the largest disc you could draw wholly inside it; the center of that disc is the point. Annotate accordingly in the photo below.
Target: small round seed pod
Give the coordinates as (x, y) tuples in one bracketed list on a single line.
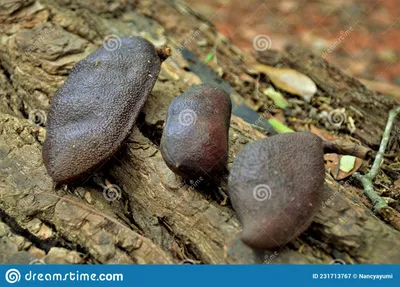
[(196, 135)]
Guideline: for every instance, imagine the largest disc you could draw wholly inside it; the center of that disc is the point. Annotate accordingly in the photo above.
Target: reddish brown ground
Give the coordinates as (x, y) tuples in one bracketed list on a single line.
[(370, 50)]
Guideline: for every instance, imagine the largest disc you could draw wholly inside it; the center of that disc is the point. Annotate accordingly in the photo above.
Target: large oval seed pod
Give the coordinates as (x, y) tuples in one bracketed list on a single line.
[(276, 186), (195, 139), (95, 109)]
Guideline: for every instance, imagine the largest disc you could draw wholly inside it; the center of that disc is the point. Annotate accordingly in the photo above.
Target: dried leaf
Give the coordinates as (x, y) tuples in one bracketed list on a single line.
[(332, 162), (335, 163), (289, 80)]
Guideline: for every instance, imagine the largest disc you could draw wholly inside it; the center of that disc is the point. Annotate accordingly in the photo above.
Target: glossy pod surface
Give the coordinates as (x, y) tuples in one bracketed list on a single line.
[(195, 138), (94, 111), (276, 187)]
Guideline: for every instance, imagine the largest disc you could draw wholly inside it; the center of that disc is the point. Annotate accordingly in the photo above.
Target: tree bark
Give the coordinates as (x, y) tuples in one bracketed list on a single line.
[(158, 218)]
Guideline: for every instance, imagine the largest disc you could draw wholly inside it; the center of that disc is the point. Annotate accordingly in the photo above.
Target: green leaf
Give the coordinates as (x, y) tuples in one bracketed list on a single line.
[(277, 97), (209, 57), (347, 163), (279, 127)]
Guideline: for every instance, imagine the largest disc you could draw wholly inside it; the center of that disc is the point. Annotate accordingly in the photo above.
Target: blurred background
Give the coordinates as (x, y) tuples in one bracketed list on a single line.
[(362, 37)]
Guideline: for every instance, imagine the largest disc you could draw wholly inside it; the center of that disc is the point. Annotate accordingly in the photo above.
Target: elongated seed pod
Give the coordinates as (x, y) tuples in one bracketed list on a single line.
[(95, 109)]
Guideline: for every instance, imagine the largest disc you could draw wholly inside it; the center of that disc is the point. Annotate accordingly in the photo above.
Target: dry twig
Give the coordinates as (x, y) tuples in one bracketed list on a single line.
[(366, 180)]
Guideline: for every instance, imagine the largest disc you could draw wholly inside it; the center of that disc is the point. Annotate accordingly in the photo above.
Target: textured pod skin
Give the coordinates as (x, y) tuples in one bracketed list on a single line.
[(195, 138), (276, 187), (93, 112)]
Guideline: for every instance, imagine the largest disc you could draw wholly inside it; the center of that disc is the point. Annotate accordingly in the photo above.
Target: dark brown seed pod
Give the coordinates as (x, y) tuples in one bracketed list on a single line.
[(276, 186), (195, 138), (94, 111)]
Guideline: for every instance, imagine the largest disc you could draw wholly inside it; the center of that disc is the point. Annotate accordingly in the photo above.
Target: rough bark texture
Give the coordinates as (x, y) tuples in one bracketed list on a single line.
[(158, 218)]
